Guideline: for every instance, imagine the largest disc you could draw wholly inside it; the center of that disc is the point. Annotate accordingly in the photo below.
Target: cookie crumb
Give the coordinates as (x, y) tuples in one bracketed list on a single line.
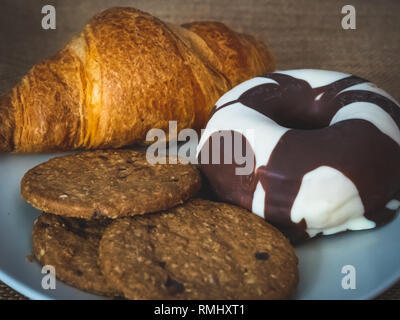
[(261, 255), (174, 287)]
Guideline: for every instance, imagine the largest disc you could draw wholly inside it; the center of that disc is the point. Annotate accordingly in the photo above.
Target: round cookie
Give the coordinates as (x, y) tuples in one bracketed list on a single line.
[(109, 183), (71, 246), (200, 250)]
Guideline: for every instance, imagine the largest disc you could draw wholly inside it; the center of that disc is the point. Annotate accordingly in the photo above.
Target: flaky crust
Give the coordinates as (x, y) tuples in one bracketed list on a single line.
[(125, 73), (237, 54)]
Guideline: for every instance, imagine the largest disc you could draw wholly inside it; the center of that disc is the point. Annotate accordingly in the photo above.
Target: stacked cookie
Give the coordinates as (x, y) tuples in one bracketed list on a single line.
[(118, 226)]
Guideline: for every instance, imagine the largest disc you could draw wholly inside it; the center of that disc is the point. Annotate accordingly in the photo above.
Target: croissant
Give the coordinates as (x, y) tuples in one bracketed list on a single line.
[(126, 73)]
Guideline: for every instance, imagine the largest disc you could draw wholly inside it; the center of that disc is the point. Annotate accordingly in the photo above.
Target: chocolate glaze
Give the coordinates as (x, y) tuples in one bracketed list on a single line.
[(355, 147), (228, 186), (292, 102), (239, 189)]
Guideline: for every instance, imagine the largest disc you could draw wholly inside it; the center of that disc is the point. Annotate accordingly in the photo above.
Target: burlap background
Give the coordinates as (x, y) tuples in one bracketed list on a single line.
[(301, 33)]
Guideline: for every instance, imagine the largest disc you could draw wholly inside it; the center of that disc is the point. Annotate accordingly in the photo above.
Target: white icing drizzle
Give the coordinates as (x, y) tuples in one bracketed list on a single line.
[(335, 207), (368, 86), (372, 113), (233, 95), (256, 124), (258, 200), (393, 204), (315, 78), (328, 201)]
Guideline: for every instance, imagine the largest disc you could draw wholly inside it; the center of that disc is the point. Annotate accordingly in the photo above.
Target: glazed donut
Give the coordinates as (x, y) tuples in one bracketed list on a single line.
[(325, 148)]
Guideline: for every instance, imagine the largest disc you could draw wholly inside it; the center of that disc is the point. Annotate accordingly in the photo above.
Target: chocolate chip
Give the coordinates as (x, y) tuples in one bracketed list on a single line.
[(122, 175), (82, 224), (162, 264), (261, 255), (173, 286), (78, 272), (44, 225), (103, 157), (150, 227), (76, 228)]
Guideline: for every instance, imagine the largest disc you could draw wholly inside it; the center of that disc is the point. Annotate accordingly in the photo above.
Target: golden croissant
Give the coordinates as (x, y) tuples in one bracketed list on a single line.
[(126, 73)]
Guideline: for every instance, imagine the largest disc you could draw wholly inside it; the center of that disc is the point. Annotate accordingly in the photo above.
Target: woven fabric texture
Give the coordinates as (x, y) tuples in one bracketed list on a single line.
[(301, 33)]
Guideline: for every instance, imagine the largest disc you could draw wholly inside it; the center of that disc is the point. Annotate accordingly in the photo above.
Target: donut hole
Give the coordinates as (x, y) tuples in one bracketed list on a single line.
[(299, 122), (290, 107)]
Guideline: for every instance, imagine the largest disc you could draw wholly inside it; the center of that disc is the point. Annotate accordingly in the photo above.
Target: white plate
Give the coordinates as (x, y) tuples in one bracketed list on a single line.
[(374, 253)]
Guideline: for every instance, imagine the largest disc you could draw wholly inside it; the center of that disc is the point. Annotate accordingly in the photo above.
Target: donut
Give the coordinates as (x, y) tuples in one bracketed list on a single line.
[(323, 148)]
